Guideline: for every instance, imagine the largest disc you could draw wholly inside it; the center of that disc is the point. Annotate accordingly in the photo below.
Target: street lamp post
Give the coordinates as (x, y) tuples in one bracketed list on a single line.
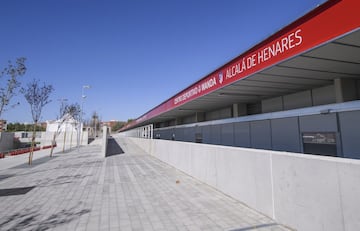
[(83, 96)]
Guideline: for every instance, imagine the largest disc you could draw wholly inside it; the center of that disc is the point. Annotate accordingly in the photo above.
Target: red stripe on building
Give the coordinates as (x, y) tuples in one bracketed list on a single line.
[(325, 23)]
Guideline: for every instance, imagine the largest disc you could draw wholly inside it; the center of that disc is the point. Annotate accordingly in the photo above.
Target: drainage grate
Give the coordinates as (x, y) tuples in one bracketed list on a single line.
[(15, 191)]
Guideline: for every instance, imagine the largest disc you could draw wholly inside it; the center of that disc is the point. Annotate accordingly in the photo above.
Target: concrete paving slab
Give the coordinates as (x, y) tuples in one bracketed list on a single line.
[(80, 190)]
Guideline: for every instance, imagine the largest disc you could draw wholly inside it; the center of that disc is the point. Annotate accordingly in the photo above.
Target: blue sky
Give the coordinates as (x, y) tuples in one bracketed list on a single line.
[(135, 54)]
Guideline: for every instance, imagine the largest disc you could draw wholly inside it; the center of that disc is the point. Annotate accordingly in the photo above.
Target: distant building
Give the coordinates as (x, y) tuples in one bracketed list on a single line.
[(114, 124), (3, 125), (110, 123), (66, 123)]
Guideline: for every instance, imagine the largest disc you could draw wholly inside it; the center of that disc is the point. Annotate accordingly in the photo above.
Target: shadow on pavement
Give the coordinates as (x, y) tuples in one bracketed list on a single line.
[(5, 176), (32, 220), (113, 148), (255, 227), (35, 162), (15, 191)]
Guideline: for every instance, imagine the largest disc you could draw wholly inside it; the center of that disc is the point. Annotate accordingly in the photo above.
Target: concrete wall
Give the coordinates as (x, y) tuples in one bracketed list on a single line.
[(272, 104), (345, 89), (298, 100), (63, 140), (323, 95), (280, 133), (317, 96), (219, 114), (6, 141), (304, 192), (189, 119)]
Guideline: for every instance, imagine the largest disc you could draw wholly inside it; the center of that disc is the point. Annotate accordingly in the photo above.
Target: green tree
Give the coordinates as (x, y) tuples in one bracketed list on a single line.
[(95, 123), (37, 96), (73, 110), (9, 82), (10, 127), (117, 126), (16, 127)]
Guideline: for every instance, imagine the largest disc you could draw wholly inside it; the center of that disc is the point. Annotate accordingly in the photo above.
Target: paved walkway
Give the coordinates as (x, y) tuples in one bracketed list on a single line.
[(79, 190)]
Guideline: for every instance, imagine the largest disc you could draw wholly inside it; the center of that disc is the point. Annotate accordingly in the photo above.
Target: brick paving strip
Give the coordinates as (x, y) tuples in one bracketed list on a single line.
[(80, 190)]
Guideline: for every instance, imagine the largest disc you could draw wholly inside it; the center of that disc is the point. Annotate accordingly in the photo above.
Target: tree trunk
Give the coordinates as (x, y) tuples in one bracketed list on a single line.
[(71, 138), (32, 145), (52, 145), (64, 141)]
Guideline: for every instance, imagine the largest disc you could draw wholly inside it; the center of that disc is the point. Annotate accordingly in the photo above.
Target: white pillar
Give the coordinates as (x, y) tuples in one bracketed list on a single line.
[(104, 141)]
